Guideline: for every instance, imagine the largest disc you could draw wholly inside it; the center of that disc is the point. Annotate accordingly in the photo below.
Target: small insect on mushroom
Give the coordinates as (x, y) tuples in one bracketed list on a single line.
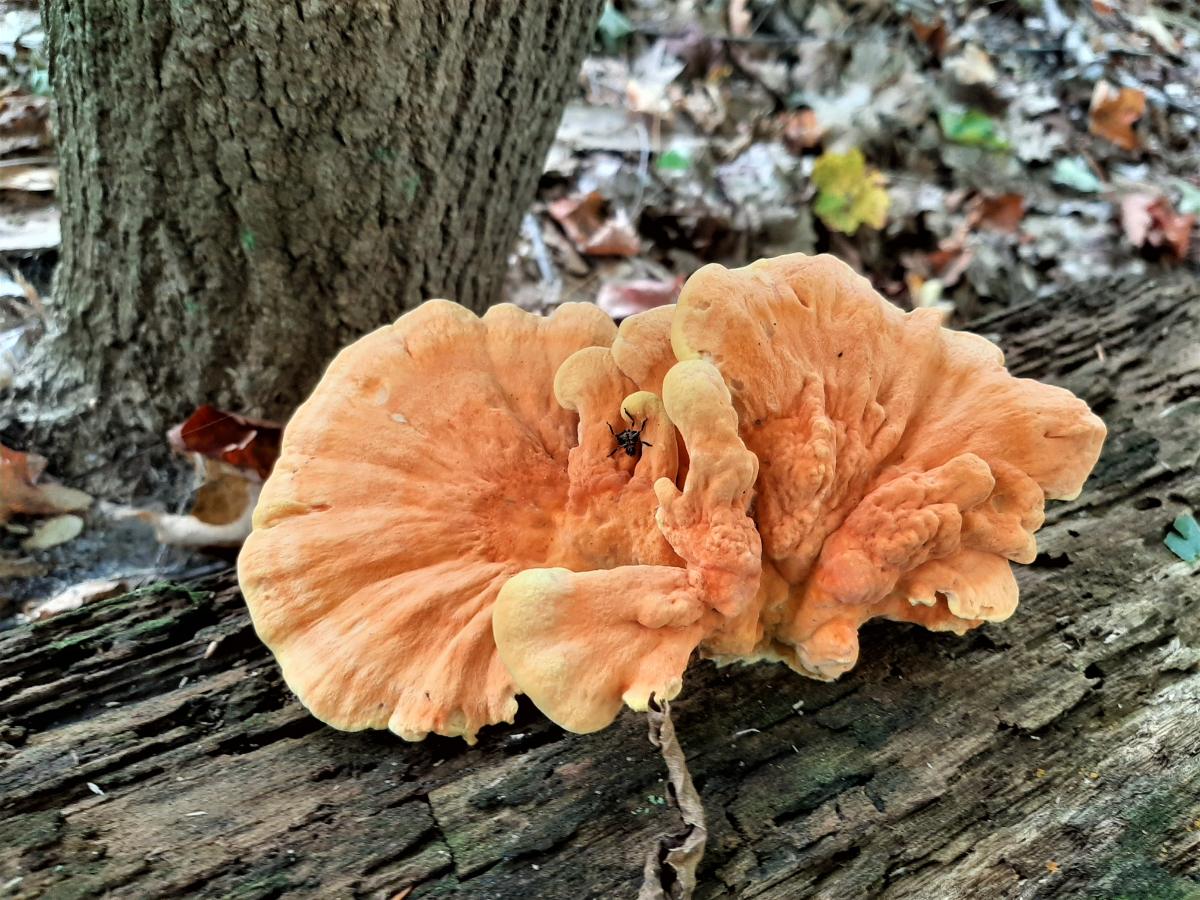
[(629, 440)]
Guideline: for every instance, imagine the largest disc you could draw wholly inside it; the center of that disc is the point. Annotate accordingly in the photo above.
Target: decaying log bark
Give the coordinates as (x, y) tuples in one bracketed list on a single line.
[(1055, 755)]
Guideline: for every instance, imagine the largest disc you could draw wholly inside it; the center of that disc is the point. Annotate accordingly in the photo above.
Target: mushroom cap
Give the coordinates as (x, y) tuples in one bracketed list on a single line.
[(430, 465), (902, 466)]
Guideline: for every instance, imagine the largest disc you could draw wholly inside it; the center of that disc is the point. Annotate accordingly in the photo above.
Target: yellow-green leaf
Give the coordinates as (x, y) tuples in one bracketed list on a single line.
[(848, 193)]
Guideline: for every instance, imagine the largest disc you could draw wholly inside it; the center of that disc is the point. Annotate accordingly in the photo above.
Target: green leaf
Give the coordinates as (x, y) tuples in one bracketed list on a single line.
[(613, 26), (848, 193), (674, 160), (249, 241), (1186, 543), (971, 128), (1073, 172)]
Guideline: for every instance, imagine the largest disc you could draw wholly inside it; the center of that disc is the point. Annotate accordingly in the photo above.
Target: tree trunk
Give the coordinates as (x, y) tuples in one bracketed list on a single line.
[(1054, 755), (248, 185)]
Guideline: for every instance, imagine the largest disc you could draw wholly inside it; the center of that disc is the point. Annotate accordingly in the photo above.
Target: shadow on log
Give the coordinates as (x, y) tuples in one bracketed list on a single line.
[(148, 747)]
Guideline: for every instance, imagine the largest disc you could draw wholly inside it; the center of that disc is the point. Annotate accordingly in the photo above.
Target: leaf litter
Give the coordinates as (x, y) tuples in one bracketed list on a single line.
[(964, 156)]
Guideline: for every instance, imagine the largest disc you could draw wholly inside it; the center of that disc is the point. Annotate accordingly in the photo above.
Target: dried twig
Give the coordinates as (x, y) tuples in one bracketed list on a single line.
[(670, 870)]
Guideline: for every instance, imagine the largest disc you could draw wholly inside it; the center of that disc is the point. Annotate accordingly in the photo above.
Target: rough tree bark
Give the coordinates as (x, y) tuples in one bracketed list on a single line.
[(1054, 755), (247, 185)]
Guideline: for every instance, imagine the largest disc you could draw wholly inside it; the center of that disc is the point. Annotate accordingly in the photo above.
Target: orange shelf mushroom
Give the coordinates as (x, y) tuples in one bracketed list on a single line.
[(580, 643), (901, 466), (431, 464), (471, 508)]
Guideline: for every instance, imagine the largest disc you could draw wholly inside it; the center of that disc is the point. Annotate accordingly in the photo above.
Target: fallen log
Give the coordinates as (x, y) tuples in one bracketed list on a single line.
[(148, 747)]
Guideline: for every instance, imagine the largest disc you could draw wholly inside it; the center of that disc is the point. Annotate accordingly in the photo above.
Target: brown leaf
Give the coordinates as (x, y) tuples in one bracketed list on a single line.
[(20, 492), (223, 498), (251, 444), (681, 854), (949, 264), (932, 34), (1176, 228), (1113, 113), (1150, 220), (221, 515), (621, 299), (801, 130), (591, 228), (1001, 212)]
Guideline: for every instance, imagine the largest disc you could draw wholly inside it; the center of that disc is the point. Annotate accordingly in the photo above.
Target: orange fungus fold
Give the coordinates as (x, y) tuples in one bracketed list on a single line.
[(453, 520)]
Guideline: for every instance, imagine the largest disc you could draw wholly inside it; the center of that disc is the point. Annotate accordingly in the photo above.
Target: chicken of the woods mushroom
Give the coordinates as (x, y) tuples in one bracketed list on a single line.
[(452, 522)]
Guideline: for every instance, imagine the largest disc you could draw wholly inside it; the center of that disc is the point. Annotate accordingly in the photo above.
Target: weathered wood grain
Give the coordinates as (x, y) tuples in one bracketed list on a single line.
[(1054, 755)]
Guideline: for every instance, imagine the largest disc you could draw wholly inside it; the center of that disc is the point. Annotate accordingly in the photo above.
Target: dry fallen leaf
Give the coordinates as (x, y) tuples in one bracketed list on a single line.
[(35, 179), (801, 130), (971, 66), (1151, 25), (670, 867), (624, 298), (591, 228), (1149, 220), (949, 263), (24, 122), (53, 532), (1136, 220), (1113, 113), (234, 454), (740, 19), (29, 230), (932, 34), (23, 567), (1001, 212), (74, 597), (251, 444), (20, 492), (220, 516)]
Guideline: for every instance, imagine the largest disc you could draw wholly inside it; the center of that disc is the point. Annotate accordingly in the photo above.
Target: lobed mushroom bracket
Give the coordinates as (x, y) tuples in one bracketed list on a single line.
[(449, 526), (901, 466)]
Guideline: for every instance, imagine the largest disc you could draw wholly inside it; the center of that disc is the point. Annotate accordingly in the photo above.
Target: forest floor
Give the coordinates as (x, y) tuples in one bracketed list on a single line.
[(963, 156)]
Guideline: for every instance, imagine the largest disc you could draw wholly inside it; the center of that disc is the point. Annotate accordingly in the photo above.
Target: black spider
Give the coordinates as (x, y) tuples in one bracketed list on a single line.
[(630, 440)]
